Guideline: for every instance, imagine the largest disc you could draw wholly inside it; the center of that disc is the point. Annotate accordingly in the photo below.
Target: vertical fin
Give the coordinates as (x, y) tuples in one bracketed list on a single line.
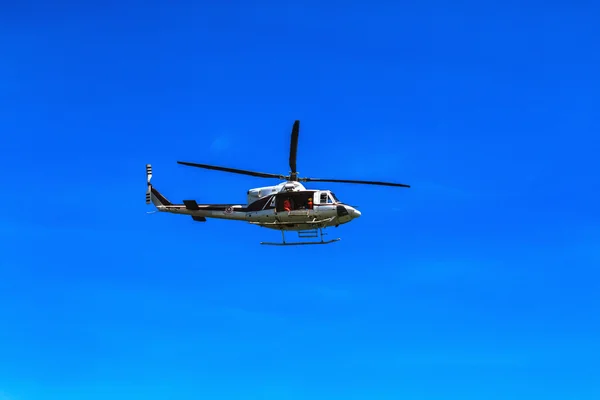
[(152, 195)]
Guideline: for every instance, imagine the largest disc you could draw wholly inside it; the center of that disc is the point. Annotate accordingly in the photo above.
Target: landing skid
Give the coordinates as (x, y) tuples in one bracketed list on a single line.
[(302, 234), (299, 243)]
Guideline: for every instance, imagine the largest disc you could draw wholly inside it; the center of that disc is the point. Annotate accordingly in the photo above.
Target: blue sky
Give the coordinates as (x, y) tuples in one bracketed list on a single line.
[(481, 281)]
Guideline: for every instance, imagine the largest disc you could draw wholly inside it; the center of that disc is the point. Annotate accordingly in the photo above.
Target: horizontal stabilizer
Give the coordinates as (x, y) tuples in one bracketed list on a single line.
[(198, 219), (191, 204)]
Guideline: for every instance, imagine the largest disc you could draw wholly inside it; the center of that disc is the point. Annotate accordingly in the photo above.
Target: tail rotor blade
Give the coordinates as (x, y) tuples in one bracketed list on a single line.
[(148, 172), (149, 185)]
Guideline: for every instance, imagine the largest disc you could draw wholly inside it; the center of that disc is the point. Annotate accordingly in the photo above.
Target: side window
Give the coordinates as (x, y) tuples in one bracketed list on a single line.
[(324, 198)]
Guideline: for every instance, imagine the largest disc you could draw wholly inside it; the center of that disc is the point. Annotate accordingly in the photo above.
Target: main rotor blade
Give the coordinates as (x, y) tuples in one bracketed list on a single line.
[(355, 181), (233, 170), (294, 147)]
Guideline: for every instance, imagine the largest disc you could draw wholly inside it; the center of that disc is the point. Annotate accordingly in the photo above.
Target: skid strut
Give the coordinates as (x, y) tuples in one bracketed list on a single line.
[(311, 233)]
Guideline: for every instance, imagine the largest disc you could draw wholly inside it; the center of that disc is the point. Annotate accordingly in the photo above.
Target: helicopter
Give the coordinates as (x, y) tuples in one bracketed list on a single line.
[(287, 206)]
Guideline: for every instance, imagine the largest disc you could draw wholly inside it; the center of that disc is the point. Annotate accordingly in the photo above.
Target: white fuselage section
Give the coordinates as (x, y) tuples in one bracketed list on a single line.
[(309, 208)]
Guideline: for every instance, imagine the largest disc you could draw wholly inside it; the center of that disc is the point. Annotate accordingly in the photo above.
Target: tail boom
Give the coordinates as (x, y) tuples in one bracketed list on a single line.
[(199, 212), (218, 211)]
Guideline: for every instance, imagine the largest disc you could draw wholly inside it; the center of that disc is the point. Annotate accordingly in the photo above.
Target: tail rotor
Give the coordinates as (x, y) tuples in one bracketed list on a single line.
[(148, 177)]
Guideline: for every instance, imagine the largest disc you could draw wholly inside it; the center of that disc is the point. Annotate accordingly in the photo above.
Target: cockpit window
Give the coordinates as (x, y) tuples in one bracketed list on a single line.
[(335, 199)]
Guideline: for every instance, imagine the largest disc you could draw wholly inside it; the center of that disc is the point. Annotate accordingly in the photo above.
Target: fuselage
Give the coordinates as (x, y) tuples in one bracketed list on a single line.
[(304, 209)]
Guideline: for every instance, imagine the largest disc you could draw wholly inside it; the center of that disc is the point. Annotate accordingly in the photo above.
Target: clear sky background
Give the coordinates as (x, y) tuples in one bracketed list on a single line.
[(479, 282)]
